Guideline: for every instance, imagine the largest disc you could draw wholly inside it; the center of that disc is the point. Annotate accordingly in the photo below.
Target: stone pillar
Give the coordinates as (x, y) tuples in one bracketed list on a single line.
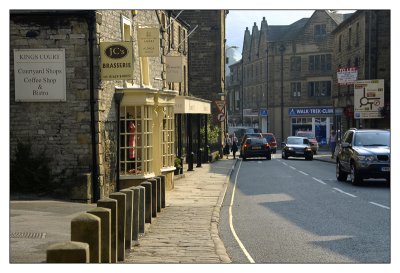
[(153, 197), (129, 214), (112, 205), (147, 207), (68, 252), (142, 202), (86, 228), (135, 215), (163, 191), (159, 193), (121, 205), (105, 232)]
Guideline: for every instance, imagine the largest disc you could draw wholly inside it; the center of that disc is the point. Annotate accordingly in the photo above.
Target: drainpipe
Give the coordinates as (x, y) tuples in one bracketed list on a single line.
[(95, 176), (118, 98)]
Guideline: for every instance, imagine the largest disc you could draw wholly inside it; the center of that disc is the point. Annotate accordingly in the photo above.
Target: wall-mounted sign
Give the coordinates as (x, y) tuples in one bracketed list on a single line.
[(116, 61), (347, 76), (149, 42), (310, 111), (368, 99), (174, 68), (40, 74), (263, 112)]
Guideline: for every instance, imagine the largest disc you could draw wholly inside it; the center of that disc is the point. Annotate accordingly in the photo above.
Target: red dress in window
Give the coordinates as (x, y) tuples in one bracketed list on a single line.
[(131, 141)]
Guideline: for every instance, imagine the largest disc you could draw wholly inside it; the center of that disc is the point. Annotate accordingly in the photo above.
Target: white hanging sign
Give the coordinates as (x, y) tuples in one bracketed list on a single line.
[(40, 75), (149, 42), (174, 68)]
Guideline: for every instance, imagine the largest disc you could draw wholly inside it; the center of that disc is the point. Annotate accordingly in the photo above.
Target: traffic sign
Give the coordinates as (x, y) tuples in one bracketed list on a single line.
[(220, 105), (221, 117)]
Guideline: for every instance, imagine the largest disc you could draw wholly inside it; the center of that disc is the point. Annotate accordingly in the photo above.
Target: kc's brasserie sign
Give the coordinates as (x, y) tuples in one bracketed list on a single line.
[(40, 75)]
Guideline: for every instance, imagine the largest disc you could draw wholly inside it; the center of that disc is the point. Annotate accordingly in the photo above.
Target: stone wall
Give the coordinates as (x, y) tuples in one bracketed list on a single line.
[(62, 129)]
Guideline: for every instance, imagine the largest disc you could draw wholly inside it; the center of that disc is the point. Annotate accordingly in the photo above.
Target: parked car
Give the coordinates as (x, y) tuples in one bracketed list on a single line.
[(311, 137), (256, 147), (271, 141), (297, 147), (244, 138), (362, 154)]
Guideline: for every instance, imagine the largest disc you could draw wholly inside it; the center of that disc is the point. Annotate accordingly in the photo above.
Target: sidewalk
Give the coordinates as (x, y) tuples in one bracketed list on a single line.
[(186, 231), (324, 156)]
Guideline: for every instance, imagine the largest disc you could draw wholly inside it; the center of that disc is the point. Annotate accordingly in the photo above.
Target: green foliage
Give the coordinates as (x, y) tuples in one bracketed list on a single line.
[(30, 173), (177, 162), (213, 132)]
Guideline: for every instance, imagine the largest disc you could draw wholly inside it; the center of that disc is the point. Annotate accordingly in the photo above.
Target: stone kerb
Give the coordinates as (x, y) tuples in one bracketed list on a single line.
[(153, 182), (148, 203), (112, 205), (105, 232), (142, 203), (129, 217), (121, 210), (68, 252), (135, 214), (86, 228)]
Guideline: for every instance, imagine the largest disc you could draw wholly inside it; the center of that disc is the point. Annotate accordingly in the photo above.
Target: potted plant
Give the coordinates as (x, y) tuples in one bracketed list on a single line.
[(177, 165)]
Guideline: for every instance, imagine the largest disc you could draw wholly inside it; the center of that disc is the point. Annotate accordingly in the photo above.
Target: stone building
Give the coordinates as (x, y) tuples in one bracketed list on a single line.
[(287, 74), (234, 91), (99, 135), (207, 61), (362, 42)]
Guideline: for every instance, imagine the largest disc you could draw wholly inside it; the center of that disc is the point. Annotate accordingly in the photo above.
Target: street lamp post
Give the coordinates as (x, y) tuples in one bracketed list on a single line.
[(281, 50)]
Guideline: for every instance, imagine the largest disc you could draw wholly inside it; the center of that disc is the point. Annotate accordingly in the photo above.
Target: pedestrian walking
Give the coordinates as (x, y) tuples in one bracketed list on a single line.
[(235, 145), (332, 142), (227, 145)]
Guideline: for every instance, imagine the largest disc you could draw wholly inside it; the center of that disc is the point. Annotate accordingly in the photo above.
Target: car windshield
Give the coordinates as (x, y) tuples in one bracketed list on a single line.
[(372, 139), (306, 134), (295, 140)]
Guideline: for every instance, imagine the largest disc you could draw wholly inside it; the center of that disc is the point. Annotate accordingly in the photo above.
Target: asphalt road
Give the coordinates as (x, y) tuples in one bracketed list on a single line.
[(294, 211)]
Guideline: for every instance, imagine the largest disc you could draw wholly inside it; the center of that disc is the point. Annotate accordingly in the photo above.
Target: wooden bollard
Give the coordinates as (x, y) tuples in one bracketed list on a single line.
[(135, 214), (121, 199), (105, 232), (153, 197), (86, 228), (147, 207), (142, 202), (129, 216), (112, 205), (163, 191), (68, 252)]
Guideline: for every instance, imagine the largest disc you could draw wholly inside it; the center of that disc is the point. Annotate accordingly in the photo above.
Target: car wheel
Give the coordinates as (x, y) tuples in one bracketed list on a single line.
[(355, 177), (269, 156), (340, 175), (244, 158), (284, 155)]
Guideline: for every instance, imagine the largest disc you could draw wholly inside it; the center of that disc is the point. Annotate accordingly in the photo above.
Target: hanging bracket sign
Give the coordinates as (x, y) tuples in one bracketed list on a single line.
[(116, 61), (149, 41)]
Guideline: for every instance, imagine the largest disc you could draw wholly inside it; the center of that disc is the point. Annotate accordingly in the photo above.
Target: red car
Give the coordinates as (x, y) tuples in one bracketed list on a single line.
[(271, 141), (311, 138)]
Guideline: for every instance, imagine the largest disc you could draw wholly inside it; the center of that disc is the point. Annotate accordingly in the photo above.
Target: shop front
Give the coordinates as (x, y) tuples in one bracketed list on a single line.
[(146, 136), (318, 120)]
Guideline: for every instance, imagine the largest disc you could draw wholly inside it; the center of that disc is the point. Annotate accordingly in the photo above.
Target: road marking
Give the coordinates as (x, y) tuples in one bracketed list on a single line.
[(284, 163), (319, 180), (293, 168), (349, 194), (303, 172), (379, 205), (231, 220)]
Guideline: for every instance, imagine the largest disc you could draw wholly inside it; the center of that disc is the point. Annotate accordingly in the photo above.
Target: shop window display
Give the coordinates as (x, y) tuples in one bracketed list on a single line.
[(168, 136), (136, 140)]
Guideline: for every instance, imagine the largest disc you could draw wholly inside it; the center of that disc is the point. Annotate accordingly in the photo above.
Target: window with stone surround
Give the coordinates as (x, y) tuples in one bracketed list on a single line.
[(319, 89), (296, 89), (136, 132), (320, 63), (168, 136), (319, 32), (295, 64)]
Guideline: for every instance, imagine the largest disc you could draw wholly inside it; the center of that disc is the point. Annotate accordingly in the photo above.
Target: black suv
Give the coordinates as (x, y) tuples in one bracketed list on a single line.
[(363, 153)]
